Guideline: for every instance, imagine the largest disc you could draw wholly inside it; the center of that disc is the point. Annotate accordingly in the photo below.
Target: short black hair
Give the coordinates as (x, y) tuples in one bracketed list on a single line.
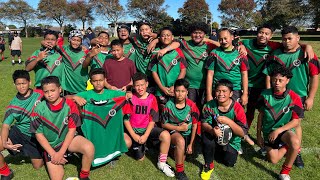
[(96, 71), (166, 28), (50, 32), (267, 26), (289, 29), (124, 26), (50, 80), (226, 29), (141, 23), (199, 26), (20, 74), (116, 42), (283, 71), (104, 32), (182, 82), (139, 76), (224, 82)]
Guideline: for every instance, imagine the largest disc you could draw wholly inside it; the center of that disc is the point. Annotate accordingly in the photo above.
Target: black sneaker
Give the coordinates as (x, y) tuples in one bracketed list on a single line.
[(181, 176), (299, 162), (87, 178), (9, 177)]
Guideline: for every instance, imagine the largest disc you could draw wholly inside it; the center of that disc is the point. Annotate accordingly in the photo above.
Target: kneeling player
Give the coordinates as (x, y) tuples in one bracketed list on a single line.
[(54, 123), (141, 125), (17, 138), (280, 111), (180, 117), (222, 110)]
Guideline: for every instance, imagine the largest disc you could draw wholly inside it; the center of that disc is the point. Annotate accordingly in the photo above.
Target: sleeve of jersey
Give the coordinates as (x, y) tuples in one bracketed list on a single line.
[(32, 57), (207, 113), (36, 123), (195, 113), (297, 111), (74, 115), (244, 66), (240, 118), (165, 115), (127, 109), (211, 46), (210, 61), (268, 67), (154, 111), (8, 117), (274, 45), (314, 67), (153, 63), (183, 61)]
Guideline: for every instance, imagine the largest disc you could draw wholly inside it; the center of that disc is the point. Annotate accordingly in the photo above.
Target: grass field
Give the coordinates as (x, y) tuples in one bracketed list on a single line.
[(250, 165)]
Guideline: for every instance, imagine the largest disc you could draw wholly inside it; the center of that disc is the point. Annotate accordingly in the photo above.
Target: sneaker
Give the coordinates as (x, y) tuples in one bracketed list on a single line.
[(19, 61), (206, 173), (166, 169), (9, 177), (284, 177), (299, 162), (181, 176), (240, 151), (12, 62)]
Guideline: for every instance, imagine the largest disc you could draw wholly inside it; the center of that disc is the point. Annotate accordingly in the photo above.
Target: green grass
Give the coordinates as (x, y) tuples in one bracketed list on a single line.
[(249, 165)]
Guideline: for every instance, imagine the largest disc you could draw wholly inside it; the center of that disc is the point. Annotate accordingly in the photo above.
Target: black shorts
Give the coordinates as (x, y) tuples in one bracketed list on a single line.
[(197, 96), (15, 53), (30, 146), (236, 95), (303, 100), (278, 143), (254, 94), (187, 139), (2, 47), (140, 149), (47, 157), (162, 100)]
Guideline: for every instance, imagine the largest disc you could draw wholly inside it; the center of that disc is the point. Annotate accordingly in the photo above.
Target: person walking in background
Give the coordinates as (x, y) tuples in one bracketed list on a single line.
[(16, 47)]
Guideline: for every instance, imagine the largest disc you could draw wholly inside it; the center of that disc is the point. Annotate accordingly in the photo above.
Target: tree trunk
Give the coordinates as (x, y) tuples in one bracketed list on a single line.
[(83, 24), (115, 29), (25, 28)]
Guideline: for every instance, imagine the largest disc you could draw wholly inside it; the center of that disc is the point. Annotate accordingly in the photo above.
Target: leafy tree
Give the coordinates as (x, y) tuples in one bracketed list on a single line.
[(152, 11), (80, 10), (54, 9), (215, 25), (17, 10), (67, 28), (314, 7), (194, 11), (238, 13)]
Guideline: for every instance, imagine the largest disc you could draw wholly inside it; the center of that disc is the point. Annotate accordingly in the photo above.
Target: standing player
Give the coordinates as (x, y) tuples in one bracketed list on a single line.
[(46, 62), (222, 110), (168, 68), (16, 47), (15, 135), (141, 128), (54, 123), (305, 73), (60, 40), (180, 117), (128, 47), (99, 53), (2, 46), (280, 110)]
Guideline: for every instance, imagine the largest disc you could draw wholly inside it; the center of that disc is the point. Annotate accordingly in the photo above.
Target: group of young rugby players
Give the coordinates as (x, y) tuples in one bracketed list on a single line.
[(151, 90)]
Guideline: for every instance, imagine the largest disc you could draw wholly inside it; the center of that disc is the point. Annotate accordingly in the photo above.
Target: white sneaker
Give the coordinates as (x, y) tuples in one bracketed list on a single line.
[(166, 169), (284, 177), (240, 151)]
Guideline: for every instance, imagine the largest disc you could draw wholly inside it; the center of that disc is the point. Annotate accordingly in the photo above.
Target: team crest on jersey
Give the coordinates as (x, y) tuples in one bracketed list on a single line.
[(37, 102), (66, 120), (112, 112), (236, 61), (132, 50), (286, 109), (266, 56), (57, 62), (188, 117), (205, 54), (81, 60), (296, 63), (174, 62)]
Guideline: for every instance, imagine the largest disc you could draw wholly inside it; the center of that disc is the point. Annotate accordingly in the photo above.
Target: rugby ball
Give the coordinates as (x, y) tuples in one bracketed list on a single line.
[(226, 134)]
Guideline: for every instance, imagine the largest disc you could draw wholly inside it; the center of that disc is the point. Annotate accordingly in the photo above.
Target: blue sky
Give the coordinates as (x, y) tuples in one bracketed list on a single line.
[(174, 5)]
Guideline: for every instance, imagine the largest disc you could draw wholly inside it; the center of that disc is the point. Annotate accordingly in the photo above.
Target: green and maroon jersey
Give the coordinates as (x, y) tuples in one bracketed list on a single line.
[(98, 60), (257, 57), (143, 112), (50, 66), (168, 68), (278, 109), (227, 65), (130, 51), (103, 123), (196, 56), (141, 58), (20, 109), (300, 67), (189, 114), (235, 113), (74, 77), (54, 122)]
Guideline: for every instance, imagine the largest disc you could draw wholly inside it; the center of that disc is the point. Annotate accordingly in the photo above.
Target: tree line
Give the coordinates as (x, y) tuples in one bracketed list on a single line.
[(237, 13)]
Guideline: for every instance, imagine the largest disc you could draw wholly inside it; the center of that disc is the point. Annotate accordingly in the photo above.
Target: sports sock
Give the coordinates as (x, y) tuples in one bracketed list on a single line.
[(285, 169), (5, 170), (179, 167), (12, 61), (84, 174), (19, 60), (211, 165), (163, 157)]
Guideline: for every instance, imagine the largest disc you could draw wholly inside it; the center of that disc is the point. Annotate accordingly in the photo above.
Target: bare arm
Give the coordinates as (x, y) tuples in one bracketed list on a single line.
[(268, 83), (313, 87), (209, 80), (182, 73), (244, 78)]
